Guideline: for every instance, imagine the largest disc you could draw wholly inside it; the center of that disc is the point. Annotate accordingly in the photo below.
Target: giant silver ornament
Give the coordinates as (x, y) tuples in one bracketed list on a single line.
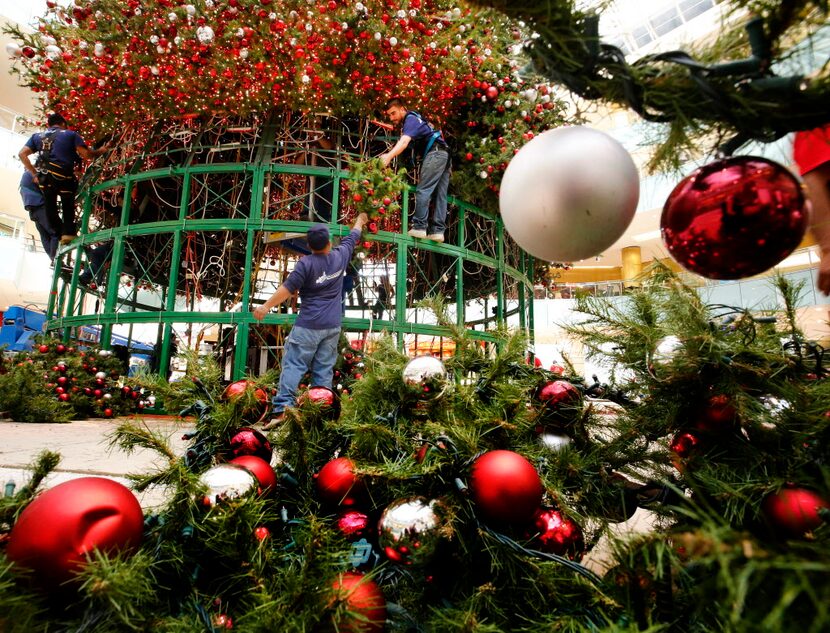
[(425, 377), (411, 529), (226, 482), (568, 194), (666, 350)]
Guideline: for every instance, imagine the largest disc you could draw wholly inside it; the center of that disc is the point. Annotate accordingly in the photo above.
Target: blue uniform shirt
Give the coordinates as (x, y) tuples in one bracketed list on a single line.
[(30, 192), (319, 278), (64, 144)]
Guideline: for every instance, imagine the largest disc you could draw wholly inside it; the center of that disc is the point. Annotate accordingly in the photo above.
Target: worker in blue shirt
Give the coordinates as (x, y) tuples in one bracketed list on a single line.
[(312, 343), (56, 174), (34, 203), (427, 145)]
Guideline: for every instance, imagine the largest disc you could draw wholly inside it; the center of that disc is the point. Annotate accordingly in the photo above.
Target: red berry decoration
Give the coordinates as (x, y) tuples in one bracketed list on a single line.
[(364, 598), (248, 441), (337, 483), (255, 407), (734, 218), (554, 533), (793, 511), (260, 469), (505, 487), (56, 531)]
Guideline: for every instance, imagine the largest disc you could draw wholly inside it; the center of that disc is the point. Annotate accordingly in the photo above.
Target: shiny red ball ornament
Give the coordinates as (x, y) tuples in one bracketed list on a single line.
[(684, 444), (261, 533), (559, 394), (324, 398), (60, 348), (108, 413), (55, 532), (260, 469), (363, 598), (505, 487), (248, 441), (554, 533), (557, 369), (353, 524), (734, 218), (793, 512), (338, 484), (255, 408), (43, 349)]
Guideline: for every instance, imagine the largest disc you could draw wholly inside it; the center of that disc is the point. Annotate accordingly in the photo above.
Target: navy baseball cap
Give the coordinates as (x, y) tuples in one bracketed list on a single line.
[(318, 237)]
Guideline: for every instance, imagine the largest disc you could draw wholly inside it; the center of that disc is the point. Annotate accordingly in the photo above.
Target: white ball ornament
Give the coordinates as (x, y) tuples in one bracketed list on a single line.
[(205, 34), (569, 193), (13, 49)]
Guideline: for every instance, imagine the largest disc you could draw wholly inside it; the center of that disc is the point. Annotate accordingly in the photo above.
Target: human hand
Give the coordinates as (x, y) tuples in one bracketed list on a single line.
[(823, 281), (260, 312), (361, 220), (385, 159)]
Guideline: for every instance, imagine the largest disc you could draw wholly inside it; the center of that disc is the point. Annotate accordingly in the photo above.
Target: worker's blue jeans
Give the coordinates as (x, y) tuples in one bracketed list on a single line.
[(306, 349)]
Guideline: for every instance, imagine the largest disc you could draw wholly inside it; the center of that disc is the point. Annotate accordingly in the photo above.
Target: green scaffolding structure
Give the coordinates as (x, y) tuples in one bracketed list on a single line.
[(199, 220)]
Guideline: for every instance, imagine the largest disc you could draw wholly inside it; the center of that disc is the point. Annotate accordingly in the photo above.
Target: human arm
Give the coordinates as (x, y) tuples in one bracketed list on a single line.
[(90, 154), (399, 147), (817, 183), (281, 295), (23, 155)]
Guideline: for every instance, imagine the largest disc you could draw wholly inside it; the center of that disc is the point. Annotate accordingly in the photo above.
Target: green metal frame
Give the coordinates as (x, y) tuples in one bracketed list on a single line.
[(66, 306)]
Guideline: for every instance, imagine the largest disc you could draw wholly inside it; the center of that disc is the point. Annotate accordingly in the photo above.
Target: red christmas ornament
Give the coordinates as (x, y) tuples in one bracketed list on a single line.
[(60, 348), (557, 369), (261, 533), (505, 487), (256, 410), (717, 415), (734, 218), (108, 413), (554, 533), (559, 394), (338, 484), (364, 598), (248, 441), (793, 511), (260, 469), (321, 396), (684, 443), (353, 524), (56, 531), (43, 349)]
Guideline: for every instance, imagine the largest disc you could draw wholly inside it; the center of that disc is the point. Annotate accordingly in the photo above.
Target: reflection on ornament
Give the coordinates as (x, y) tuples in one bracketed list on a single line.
[(248, 441), (568, 194), (226, 482), (425, 377), (553, 442), (734, 218), (555, 533), (353, 524), (410, 530)]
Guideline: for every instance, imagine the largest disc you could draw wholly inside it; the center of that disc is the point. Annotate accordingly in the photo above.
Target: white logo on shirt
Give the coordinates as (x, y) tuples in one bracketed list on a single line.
[(324, 277)]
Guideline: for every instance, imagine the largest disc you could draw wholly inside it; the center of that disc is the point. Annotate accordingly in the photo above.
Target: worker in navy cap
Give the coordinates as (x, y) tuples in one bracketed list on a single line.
[(312, 343)]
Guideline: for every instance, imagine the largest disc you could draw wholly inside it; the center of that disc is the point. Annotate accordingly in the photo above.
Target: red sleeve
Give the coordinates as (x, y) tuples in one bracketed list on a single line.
[(811, 148)]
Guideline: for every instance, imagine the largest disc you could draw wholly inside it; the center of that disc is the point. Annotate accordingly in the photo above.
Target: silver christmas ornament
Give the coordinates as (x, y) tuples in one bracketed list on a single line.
[(101, 375), (103, 353), (226, 482), (425, 377), (666, 350), (410, 530), (569, 194), (553, 442)]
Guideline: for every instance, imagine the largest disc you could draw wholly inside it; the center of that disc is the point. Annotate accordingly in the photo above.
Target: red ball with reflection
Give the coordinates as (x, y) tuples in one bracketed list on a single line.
[(554, 533), (248, 441), (260, 469), (324, 398), (353, 524), (55, 532), (505, 487), (734, 218), (338, 484)]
